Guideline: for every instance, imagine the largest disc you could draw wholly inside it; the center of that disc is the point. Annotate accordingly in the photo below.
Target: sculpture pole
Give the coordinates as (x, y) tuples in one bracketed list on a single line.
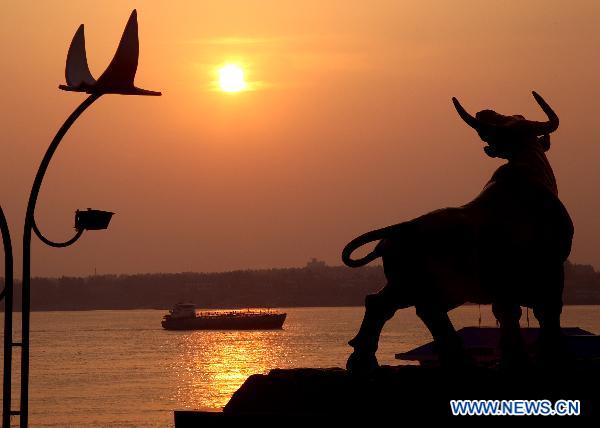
[(118, 78), (7, 295), (29, 226)]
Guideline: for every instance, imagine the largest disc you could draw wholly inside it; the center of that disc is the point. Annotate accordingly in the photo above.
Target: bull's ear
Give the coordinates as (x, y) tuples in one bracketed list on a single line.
[(544, 141)]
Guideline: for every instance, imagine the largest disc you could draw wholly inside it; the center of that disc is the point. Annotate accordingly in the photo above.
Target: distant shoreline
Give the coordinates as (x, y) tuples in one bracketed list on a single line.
[(315, 285), (236, 308)]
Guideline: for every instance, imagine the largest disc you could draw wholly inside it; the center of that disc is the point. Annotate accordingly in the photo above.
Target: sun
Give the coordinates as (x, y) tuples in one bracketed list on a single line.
[(231, 78)]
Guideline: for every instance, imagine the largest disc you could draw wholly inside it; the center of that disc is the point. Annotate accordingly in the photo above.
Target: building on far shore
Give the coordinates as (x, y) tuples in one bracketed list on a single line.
[(315, 264)]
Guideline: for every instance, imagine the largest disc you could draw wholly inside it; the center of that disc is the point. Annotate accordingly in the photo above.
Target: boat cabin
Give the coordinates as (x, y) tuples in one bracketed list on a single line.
[(183, 310)]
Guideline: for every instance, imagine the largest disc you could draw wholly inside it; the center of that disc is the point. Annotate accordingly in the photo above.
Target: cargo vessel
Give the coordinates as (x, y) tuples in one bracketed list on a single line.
[(183, 316)]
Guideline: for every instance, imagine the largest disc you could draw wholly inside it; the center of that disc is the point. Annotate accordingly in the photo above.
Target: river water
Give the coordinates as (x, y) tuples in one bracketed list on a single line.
[(120, 368)]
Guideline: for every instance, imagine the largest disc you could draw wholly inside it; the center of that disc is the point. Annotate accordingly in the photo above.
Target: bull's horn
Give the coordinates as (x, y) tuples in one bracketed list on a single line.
[(542, 128), (470, 120), (480, 126)]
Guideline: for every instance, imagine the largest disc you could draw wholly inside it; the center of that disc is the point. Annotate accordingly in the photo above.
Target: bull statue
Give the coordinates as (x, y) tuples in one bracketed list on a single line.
[(507, 248)]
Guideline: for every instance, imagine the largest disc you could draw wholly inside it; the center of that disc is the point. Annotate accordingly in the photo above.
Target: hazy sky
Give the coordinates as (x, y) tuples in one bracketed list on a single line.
[(349, 125)]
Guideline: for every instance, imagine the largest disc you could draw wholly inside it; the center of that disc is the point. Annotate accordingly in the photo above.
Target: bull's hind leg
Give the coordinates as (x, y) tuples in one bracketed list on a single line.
[(379, 308), (446, 341), (512, 348), (548, 315), (551, 346), (547, 310)]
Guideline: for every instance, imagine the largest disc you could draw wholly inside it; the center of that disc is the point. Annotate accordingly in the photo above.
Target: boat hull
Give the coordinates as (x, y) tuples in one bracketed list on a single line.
[(255, 322)]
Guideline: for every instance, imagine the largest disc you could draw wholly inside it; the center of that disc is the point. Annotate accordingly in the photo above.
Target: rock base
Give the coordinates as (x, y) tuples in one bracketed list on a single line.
[(404, 391)]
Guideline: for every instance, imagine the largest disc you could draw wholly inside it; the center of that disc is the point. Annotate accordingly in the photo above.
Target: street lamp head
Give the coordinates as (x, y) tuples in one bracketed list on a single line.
[(92, 219), (118, 78)]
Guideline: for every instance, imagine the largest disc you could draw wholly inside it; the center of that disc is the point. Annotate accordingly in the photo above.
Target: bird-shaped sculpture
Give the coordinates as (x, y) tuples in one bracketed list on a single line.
[(118, 78)]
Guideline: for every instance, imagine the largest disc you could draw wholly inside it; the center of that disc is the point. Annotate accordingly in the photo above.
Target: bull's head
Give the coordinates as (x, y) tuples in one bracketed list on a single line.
[(509, 135)]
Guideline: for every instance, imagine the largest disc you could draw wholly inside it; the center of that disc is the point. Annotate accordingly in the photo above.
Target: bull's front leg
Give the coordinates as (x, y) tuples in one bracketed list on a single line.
[(379, 308), (447, 343)]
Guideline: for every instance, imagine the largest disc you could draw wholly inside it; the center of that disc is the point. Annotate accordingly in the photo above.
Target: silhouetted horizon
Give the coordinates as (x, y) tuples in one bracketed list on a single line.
[(315, 284)]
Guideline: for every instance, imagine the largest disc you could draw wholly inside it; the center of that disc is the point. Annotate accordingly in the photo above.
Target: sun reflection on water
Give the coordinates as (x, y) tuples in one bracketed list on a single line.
[(215, 364)]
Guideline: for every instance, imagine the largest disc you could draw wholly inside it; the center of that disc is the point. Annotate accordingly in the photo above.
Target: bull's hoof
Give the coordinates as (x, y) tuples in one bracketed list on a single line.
[(553, 351), (362, 364), (453, 355), (458, 360), (514, 361)]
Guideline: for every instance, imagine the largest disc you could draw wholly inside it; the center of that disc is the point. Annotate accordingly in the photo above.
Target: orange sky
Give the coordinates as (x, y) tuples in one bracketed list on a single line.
[(349, 126)]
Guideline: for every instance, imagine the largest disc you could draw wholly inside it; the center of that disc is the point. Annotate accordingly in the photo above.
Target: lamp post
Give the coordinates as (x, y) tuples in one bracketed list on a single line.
[(118, 78)]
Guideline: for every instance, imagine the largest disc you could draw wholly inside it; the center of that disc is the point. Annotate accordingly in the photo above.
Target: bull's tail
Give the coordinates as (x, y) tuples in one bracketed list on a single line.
[(356, 243)]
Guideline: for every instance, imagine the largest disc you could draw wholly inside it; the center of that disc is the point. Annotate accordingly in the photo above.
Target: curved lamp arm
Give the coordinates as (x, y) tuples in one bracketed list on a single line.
[(27, 229), (52, 243), (37, 182)]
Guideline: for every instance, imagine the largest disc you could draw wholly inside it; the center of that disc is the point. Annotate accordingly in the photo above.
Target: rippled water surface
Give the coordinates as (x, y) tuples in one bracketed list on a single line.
[(120, 368)]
